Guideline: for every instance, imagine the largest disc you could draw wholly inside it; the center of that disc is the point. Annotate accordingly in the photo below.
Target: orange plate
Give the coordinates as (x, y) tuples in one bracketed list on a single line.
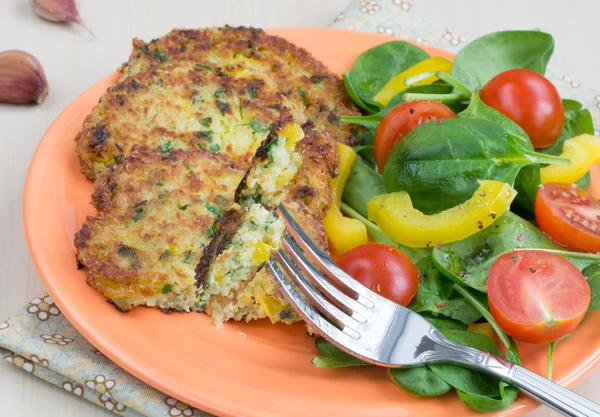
[(255, 369)]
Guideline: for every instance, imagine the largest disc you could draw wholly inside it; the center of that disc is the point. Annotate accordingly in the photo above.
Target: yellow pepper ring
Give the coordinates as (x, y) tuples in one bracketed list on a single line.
[(395, 215), (397, 84), (583, 151), (343, 233)]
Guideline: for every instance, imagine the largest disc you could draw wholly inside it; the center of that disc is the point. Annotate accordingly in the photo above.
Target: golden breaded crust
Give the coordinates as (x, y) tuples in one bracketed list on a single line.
[(241, 79), (235, 268), (177, 133), (155, 216), (227, 226)]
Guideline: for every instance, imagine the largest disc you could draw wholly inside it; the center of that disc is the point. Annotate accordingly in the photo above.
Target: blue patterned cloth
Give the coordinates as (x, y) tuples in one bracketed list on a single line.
[(41, 341)]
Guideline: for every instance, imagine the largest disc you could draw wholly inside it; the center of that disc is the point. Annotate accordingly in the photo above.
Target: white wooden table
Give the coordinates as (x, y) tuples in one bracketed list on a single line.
[(72, 63)]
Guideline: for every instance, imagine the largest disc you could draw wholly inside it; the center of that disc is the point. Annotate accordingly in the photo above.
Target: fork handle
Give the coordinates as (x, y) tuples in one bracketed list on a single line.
[(553, 395), (543, 390)]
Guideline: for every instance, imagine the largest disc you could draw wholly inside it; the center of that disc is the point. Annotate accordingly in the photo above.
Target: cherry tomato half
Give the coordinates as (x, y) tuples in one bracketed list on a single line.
[(401, 120), (383, 269), (569, 215), (537, 296), (530, 100)]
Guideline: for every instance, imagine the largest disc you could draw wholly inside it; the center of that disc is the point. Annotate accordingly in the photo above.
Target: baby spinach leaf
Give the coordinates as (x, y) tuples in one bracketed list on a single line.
[(592, 273), (333, 357), (366, 151), (464, 379), (484, 404), (367, 136), (577, 122), (477, 109), (467, 262), (328, 349), (439, 164), (579, 259), (373, 120), (556, 148), (444, 323), (363, 184), (419, 381), (375, 67), (577, 119), (456, 376), (337, 362), (472, 339), (528, 179), (512, 353), (489, 55), (527, 183), (354, 95), (457, 309), (436, 296), (585, 181)]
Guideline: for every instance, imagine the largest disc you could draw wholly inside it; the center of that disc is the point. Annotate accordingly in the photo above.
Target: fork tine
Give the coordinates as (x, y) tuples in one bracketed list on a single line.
[(366, 296), (347, 323), (356, 310), (308, 313)]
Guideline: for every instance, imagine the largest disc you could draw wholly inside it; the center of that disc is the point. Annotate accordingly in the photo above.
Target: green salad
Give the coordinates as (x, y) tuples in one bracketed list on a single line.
[(470, 179)]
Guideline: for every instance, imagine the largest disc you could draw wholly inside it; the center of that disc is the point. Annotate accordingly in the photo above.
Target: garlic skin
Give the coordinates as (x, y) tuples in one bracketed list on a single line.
[(57, 10), (22, 78), (60, 11)]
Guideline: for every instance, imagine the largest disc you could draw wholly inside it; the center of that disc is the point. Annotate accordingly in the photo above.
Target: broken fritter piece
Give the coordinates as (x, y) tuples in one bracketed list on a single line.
[(168, 234), (246, 252), (155, 217)]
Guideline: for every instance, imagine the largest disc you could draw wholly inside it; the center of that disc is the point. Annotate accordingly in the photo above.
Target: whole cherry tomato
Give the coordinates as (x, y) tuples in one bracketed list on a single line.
[(383, 269), (530, 100)]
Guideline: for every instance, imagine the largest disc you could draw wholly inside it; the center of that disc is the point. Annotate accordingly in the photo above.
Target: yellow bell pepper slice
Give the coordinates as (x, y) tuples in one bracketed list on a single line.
[(343, 233), (395, 215), (583, 151), (397, 84)]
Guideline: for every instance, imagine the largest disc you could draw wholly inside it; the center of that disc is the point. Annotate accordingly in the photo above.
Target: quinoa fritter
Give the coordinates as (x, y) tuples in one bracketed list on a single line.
[(214, 88), (199, 121), (235, 268)]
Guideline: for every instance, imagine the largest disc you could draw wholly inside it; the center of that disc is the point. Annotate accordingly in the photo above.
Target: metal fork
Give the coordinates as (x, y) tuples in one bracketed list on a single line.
[(384, 333)]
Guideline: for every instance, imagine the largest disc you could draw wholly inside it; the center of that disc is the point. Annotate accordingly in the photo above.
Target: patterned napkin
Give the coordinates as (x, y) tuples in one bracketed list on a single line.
[(41, 341)]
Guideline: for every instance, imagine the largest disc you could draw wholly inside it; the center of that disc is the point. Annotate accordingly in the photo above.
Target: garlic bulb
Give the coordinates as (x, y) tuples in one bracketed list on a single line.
[(58, 11), (22, 78)]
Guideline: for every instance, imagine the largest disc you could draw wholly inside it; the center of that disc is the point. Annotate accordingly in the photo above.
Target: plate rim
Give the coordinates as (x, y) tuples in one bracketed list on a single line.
[(97, 340)]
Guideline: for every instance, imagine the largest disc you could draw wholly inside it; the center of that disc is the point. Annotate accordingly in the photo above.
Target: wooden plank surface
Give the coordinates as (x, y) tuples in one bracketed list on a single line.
[(73, 62)]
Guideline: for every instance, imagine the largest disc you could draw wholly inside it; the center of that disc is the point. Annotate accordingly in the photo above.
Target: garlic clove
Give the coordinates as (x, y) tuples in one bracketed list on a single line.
[(22, 78), (58, 11)]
